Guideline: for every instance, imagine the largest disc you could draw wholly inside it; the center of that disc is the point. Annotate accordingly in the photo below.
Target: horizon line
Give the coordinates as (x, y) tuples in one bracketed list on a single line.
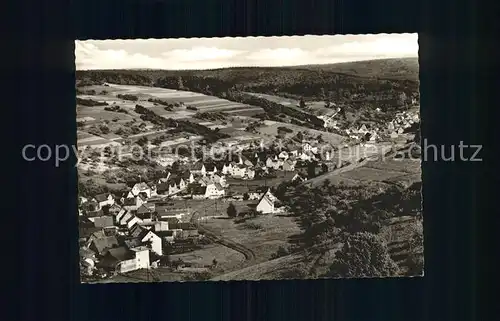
[(233, 67)]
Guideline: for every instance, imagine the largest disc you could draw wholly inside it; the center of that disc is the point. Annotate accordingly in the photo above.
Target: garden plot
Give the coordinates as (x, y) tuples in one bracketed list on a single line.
[(370, 174)]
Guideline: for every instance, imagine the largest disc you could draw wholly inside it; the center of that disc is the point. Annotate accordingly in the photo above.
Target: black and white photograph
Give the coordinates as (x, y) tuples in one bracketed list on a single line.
[(250, 158)]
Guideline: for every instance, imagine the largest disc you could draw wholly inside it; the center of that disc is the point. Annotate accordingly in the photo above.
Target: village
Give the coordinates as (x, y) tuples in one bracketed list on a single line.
[(142, 226)]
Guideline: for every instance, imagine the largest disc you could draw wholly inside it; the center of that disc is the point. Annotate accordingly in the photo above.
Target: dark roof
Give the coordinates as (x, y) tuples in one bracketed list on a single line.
[(103, 221), (181, 225), (144, 209), (197, 166), (133, 242), (209, 167), (137, 231), (164, 233), (130, 201), (162, 187), (121, 253), (102, 244), (101, 197), (87, 231), (198, 189)]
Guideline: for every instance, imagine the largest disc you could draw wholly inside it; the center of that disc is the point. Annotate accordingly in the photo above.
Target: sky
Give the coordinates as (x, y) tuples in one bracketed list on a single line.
[(210, 53)]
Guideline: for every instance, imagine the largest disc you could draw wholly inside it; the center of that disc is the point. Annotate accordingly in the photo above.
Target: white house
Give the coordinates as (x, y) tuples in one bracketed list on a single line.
[(283, 155), (250, 174), (238, 171), (305, 157), (308, 148), (227, 169), (141, 188), (104, 199), (266, 203), (214, 191), (154, 240)]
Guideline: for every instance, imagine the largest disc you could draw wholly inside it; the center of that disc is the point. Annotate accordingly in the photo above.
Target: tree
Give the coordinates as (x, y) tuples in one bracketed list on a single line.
[(363, 255), (245, 196), (231, 210), (302, 103)]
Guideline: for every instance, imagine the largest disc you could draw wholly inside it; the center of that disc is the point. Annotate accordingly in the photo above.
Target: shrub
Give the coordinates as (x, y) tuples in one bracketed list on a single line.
[(231, 210), (253, 226), (363, 255), (90, 102), (191, 108), (128, 97)]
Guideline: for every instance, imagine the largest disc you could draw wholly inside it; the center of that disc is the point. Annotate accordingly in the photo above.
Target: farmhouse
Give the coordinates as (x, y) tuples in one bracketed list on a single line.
[(266, 203), (152, 240), (134, 203), (210, 191), (122, 259), (141, 188), (104, 199), (101, 244), (227, 169), (177, 184), (145, 212), (238, 171)]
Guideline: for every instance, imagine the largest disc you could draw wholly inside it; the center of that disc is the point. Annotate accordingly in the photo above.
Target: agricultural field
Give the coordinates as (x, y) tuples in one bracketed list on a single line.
[(227, 259), (270, 129), (406, 165), (263, 234), (370, 174)]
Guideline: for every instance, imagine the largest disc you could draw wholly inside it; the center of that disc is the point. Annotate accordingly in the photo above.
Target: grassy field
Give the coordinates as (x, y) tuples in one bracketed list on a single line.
[(227, 259), (370, 174), (263, 234)]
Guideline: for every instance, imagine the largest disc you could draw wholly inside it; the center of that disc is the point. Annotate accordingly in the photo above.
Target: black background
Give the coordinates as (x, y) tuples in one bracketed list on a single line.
[(454, 77)]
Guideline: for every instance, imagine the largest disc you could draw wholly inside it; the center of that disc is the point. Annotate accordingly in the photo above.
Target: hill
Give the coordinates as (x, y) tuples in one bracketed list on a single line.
[(388, 84), (401, 69)]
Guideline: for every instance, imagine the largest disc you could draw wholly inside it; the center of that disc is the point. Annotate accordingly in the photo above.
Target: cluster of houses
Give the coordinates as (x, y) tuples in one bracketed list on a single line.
[(374, 133), (121, 236), (129, 231)]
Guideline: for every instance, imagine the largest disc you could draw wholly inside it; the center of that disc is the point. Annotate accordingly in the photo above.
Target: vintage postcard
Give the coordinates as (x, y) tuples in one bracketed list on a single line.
[(260, 158)]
